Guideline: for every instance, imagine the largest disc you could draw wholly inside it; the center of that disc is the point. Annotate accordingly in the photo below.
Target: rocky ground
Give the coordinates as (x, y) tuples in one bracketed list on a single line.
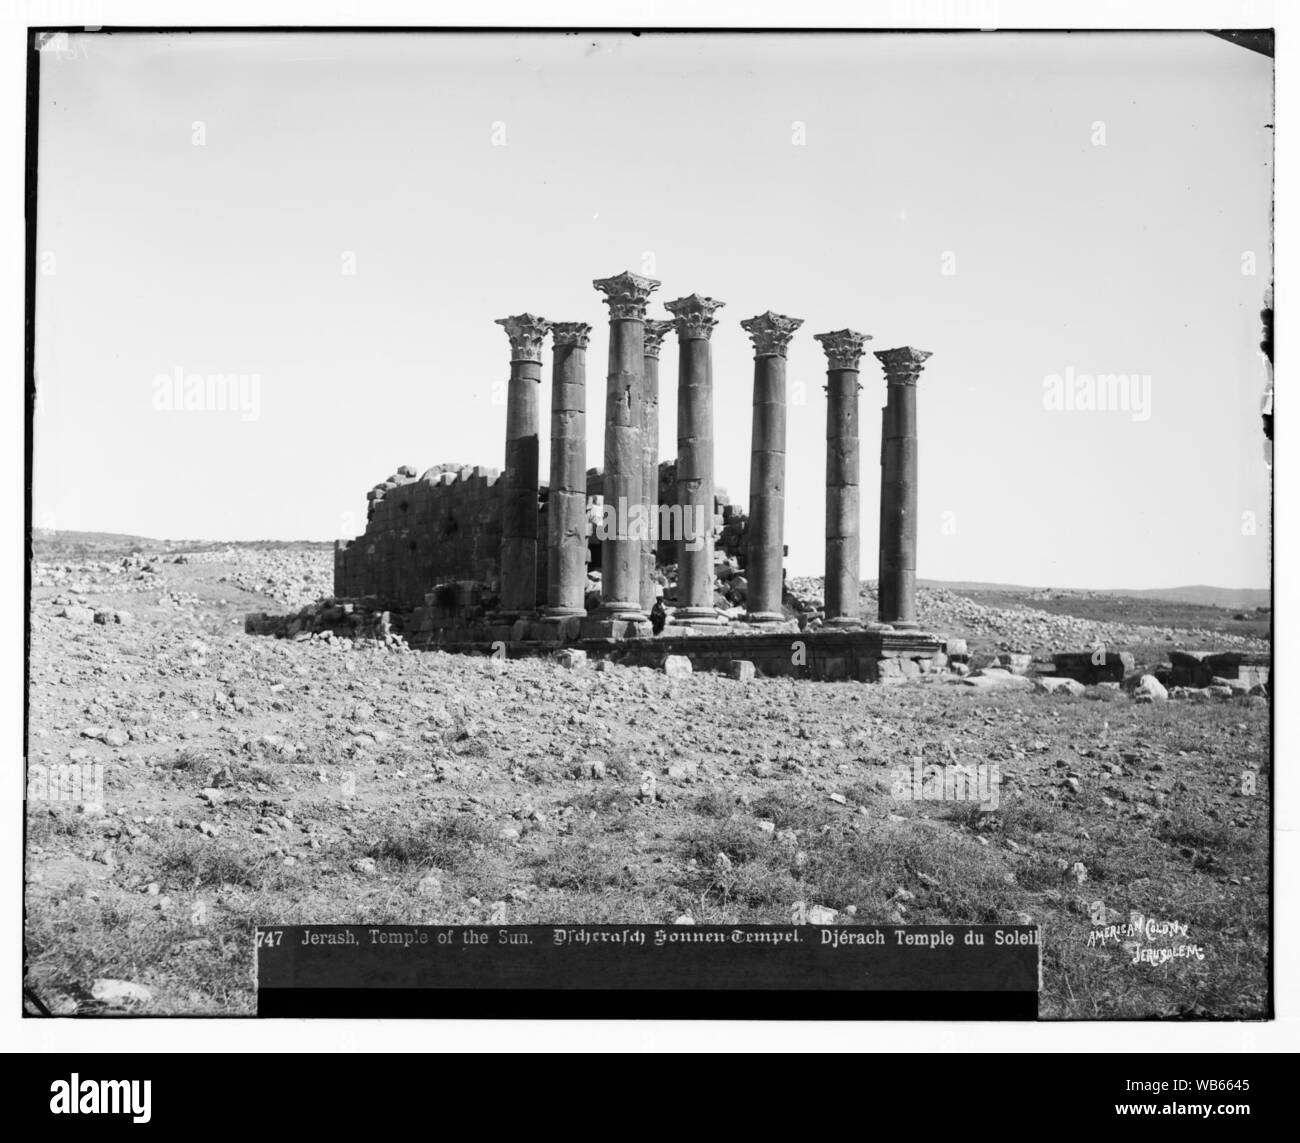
[(253, 780)]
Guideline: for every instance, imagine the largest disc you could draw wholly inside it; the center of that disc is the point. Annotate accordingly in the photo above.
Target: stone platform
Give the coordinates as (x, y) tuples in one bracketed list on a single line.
[(863, 655)]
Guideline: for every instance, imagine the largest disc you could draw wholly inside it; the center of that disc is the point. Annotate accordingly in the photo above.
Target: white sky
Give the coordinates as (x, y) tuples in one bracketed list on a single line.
[(671, 155)]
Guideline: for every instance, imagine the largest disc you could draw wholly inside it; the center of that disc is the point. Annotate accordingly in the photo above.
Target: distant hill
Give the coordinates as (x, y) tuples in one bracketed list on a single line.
[(52, 545), (1243, 598)]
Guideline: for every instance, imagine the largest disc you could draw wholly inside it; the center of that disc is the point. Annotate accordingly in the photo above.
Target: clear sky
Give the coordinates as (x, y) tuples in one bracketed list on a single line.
[(344, 216)]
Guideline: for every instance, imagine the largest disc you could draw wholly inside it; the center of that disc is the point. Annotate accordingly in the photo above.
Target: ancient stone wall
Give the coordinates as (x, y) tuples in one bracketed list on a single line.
[(445, 526), (423, 531)]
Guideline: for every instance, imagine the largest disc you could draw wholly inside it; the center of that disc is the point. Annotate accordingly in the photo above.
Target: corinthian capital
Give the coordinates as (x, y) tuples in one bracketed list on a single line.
[(694, 316), (577, 333), (844, 347), (526, 333), (902, 366), (655, 331), (626, 294), (770, 333)]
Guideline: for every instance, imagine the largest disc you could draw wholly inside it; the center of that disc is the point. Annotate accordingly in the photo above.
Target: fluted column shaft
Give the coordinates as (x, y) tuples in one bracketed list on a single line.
[(620, 552), (566, 550), (654, 336), (844, 349), (898, 479), (520, 476), (695, 494), (765, 548)]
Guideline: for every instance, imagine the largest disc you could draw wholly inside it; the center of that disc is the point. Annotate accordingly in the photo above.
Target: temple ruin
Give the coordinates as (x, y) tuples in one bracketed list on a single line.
[(473, 559)]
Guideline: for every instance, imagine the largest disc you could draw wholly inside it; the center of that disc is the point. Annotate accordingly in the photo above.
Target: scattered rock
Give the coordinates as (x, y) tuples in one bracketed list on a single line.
[(120, 992), (1150, 689)]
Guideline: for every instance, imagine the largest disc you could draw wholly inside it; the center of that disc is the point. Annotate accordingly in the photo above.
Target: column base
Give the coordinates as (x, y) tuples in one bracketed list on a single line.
[(698, 617), (595, 628), (558, 628), (901, 624), (764, 617), (564, 613), (628, 611), (843, 621)]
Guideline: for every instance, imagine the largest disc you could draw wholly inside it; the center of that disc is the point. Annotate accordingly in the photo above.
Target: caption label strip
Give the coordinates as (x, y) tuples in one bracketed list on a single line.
[(889, 971)]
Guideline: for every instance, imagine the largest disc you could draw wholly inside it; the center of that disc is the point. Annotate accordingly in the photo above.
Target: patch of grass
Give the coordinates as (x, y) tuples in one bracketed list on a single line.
[(71, 943), (193, 760), (580, 867), (1200, 831), (44, 827), (602, 799), (242, 772), (961, 884), (741, 841), (869, 791), (210, 865), (1102, 694), (1039, 873), (789, 811), (715, 804), (454, 843), (1021, 820)]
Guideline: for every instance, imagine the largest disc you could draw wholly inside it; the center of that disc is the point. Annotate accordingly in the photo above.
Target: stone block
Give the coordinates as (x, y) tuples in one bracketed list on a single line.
[(1150, 690), (571, 658), (741, 669), (677, 666), (1056, 684), (604, 628)]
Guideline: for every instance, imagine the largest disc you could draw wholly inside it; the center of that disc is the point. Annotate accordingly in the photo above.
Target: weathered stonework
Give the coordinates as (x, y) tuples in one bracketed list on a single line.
[(519, 525), (567, 507), (898, 486), (844, 349), (771, 334), (455, 555), (694, 323), (655, 332), (626, 295), (444, 525)]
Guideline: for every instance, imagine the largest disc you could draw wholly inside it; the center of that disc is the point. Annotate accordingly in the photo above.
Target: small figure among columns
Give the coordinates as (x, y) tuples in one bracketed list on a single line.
[(695, 321), (566, 578), (898, 487), (626, 295), (520, 478), (655, 331), (844, 349), (771, 334)]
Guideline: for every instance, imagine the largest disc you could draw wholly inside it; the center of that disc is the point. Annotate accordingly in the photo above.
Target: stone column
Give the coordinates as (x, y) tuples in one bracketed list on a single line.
[(695, 322), (898, 487), (654, 339), (519, 480), (771, 335), (566, 540), (844, 349), (620, 553)]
